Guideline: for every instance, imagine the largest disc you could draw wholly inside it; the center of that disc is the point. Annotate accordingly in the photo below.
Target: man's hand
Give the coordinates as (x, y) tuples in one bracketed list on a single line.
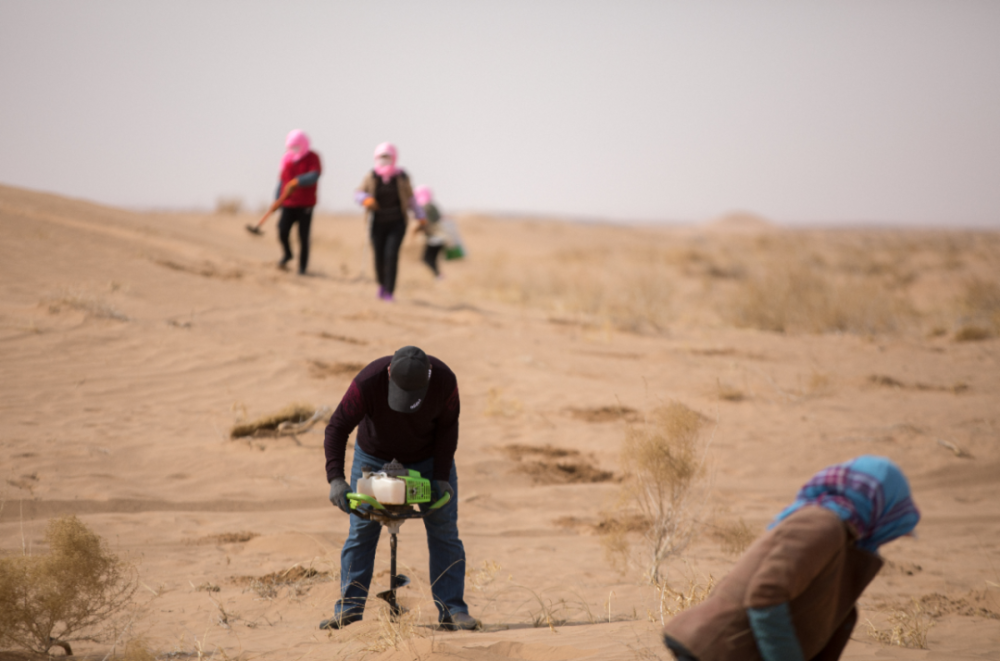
[(444, 487), (339, 489)]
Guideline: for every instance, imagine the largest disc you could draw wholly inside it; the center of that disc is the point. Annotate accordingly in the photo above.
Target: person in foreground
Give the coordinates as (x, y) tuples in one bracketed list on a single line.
[(405, 407), (792, 595)]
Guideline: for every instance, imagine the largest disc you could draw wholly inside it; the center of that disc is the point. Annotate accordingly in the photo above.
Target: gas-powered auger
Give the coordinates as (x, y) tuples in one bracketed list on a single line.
[(387, 497)]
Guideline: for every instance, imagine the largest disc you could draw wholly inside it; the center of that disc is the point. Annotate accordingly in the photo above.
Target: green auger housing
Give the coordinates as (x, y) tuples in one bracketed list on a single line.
[(418, 489)]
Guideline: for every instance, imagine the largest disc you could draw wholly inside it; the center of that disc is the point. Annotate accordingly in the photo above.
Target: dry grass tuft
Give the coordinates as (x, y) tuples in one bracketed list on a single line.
[(603, 413), (229, 537), (886, 381), (674, 601), (394, 632), (908, 627), (268, 424), (973, 334), (73, 593), (552, 465), (319, 369), (728, 393), (734, 538), (663, 464), (799, 298), (93, 306)]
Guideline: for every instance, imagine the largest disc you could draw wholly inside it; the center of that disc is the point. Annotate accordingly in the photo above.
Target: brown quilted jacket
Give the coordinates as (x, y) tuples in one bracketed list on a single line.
[(808, 560)]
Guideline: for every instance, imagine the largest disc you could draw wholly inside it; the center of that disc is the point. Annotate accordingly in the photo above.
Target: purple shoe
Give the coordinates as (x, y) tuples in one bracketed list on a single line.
[(381, 292), (387, 297)]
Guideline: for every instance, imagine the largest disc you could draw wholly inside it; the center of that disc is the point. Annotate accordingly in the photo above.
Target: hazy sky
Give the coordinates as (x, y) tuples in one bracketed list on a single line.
[(862, 111)]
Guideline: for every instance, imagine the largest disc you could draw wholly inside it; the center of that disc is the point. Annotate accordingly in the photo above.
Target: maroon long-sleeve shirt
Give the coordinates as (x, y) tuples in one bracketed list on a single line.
[(432, 431)]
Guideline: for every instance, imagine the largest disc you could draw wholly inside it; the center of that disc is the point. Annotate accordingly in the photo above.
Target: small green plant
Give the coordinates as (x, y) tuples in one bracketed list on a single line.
[(72, 593)]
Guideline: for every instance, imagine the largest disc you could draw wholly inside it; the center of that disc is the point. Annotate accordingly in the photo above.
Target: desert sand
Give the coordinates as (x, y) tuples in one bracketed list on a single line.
[(131, 343)]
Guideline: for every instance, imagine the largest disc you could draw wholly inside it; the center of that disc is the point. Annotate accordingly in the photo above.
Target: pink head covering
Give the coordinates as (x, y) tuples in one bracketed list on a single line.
[(386, 170), (423, 195), (297, 146)]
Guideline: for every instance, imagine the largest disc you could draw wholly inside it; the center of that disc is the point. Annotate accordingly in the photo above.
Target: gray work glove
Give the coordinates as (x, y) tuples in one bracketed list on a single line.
[(339, 488), (444, 487)]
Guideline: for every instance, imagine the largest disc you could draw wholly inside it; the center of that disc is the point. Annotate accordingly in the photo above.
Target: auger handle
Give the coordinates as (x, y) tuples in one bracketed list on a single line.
[(358, 498), (442, 501)]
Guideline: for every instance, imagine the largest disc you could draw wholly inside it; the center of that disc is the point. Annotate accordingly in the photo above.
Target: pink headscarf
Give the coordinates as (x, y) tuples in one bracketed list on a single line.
[(297, 146), (386, 171), (423, 195)]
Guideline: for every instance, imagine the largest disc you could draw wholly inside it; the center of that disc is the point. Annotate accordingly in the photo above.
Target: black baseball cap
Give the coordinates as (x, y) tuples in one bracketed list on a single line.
[(409, 377)]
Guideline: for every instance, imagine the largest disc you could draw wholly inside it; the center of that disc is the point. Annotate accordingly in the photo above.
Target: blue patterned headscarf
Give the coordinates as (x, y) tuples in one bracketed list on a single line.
[(869, 492)]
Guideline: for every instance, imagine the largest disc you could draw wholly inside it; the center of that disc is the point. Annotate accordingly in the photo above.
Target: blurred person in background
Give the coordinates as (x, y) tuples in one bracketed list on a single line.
[(296, 196), (387, 195), (436, 238), (792, 594)]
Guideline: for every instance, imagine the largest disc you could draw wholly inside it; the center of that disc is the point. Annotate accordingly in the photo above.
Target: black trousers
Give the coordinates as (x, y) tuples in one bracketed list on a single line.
[(431, 257), (303, 217), (387, 237)]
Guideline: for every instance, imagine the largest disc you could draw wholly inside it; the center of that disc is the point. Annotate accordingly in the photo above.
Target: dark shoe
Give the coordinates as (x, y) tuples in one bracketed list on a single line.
[(283, 264), (339, 622), (460, 622), (254, 230)]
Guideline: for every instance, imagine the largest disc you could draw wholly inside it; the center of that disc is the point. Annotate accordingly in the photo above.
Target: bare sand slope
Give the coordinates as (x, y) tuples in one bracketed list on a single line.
[(131, 343)]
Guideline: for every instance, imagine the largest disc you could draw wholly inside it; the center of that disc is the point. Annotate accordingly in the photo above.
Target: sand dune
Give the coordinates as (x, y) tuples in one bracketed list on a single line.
[(130, 343)]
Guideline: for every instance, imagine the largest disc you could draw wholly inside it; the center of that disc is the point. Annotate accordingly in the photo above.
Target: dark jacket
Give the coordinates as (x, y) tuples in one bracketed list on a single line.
[(809, 560), (369, 185), (432, 431)]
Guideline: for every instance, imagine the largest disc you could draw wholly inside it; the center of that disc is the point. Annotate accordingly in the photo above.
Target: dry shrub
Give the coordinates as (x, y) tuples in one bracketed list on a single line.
[(268, 424), (734, 537), (908, 627), (663, 463), (797, 298), (72, 593)]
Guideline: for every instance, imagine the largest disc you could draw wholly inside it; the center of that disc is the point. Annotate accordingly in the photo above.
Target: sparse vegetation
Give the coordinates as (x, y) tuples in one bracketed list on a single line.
[(552, 465), (734, 537), (663, 464), (268, 425), (674, 601), (907, 627), (795, 297), (92, 305), (72, 593)]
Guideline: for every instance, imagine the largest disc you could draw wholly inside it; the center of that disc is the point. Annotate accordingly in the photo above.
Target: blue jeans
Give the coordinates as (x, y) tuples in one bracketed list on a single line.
[(447, 554)]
